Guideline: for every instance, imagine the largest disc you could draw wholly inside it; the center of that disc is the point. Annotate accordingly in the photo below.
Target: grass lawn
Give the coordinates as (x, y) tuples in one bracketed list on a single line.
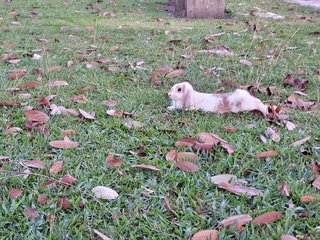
[(61, 31)]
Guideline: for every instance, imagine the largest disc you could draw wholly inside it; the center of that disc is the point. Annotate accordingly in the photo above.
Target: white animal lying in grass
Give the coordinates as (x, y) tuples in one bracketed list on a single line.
[(183, 96)]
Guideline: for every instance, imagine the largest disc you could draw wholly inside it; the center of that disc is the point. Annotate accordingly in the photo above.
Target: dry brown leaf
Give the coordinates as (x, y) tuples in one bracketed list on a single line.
[(86, 114), (267, 154), (132, 123), (298, 83), (284, 189), (175, 73), (116, 113), (171, 155), (168, 207), (56, 167), (238, 221), (206, 235), (308, 198), (114, 48), (53, 69), (79, 98), (67, 179), (48, 184), (268, 217), (113, 162), (88, 89), (9, 104), (228, 178), (186, 156), (213, 139), (36, 116), (73, 112), (57, 84), (34, 164), (15, 193), (16, 74), (31, 213), (231, 129), (245, 62), (316, 183), (65, 143), (187, 166), (42, 200), (101, 235), (294, 102), (275, 136), (110, 103), (70, 63), (239, 189), (68, 132), (315, 168), (12, 130), (144, 166), (45, 101), (219, 51), (185, 142), (155, 75), (300, 142), (287, 237), (27, 85), (64, 203)]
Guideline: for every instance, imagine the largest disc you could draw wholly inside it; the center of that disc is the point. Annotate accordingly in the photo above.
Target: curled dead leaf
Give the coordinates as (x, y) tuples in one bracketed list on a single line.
[(110, 103), (267, 154), (36, 116), (185, 142), (298, 83), (12, 130), (31, 213), (175, 73), (15, 193), (64, 203), (206, 235), (16, 74), (239, 189), (54, 69), (284, 188), (34, 164), (116, 113), (308, 198), (187, 166), (316, 183), (56, 167), (65, 143), (300, 142), (67, 179), (168, 207), (171, 155), (227, 178), (57, 84), (68, 132), (79, 98), (86, 114), (144, 166), (238, 221), (268, 217), (113, 162)]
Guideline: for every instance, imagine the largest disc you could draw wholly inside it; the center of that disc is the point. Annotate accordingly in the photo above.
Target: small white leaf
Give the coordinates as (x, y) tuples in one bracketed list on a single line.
[(223, 178), (104, 192)]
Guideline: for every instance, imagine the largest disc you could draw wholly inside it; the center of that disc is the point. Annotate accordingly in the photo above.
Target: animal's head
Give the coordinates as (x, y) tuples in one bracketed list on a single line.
[(181, 93)]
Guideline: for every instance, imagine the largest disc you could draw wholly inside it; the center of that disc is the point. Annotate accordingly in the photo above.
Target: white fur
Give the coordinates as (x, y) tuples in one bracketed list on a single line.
[(183, 96)]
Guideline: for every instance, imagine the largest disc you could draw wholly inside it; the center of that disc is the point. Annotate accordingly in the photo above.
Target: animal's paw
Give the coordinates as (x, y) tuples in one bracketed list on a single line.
[(170, 108)]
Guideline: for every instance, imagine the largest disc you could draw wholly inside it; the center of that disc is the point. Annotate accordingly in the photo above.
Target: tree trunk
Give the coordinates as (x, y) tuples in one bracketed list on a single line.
[(204, 8)]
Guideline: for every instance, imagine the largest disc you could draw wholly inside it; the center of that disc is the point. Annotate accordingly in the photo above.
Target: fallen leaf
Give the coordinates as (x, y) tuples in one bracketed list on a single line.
[(42, 200), (86, 114), (56, 167), (65, 143), (51, 218), (144, 166), (54, 69), (34, 164), (211, 37), (287, 237), (88, 89), (238, 221), (227, 178), (296, 82), (31, 213), (186, 156), (116, 113), (220, 51), (294, 102), (27, 85), (289, 125), (131, 123), (239, 189), (185, 142), (16, 74), (67, 179), (36, 116), (110, 103), (246, 62), (73, 112), (9, 104), (24, 95), (113, 162), (268, 217), (12, 130), (171, 155), (155, 75), (187, 166), (79, 98), (213, 139), (307, 198), (300, 142), (315, 168), (57, 84), (267, 154), (231, 129), (168, 207), (206, 235), (15, 193), (48, 184), (68, 132), (101, 235), (275, 136), (64, 203), (114, 48), (104, 193), (45, 101), (70, 63), (316, 183), (175, 73), (284, 189)]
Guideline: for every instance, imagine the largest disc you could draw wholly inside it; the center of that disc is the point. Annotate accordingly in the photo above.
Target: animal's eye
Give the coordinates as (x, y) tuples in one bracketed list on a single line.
[(179, 89)]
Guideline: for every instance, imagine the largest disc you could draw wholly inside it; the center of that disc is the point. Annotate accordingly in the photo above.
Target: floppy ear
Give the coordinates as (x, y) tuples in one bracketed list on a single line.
[(186, 101)]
